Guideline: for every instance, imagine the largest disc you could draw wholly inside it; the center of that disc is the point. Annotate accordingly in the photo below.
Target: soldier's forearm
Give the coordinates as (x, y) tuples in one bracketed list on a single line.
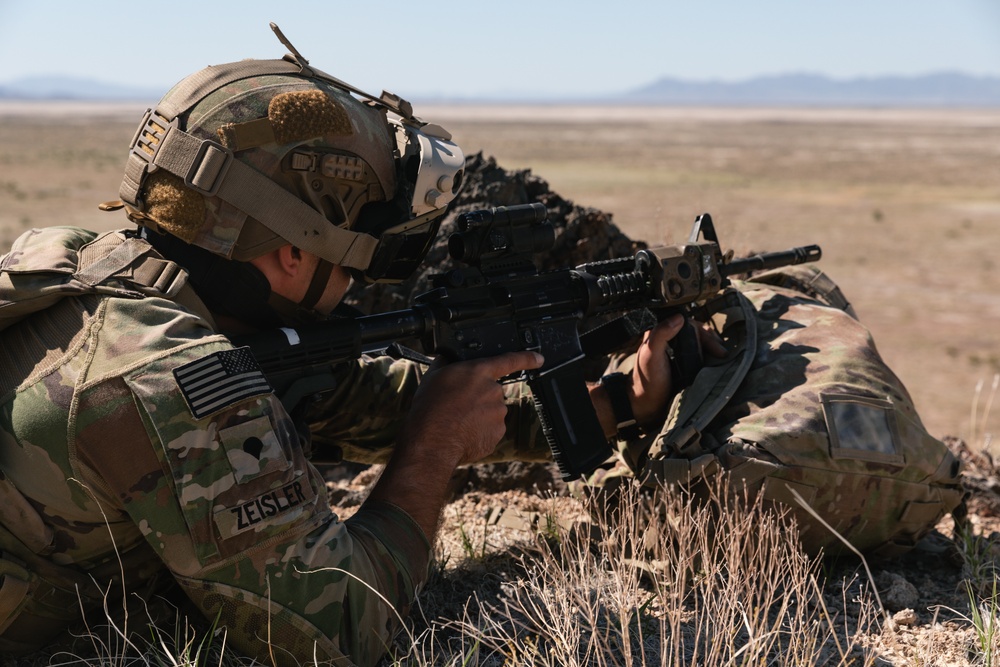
[(416, 480)]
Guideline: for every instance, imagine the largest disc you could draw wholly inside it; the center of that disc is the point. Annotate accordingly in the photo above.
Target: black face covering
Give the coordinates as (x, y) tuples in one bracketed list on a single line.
[(236, 289)]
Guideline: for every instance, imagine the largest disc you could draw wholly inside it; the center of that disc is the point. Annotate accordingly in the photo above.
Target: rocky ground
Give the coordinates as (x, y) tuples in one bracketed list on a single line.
[(498, 511)]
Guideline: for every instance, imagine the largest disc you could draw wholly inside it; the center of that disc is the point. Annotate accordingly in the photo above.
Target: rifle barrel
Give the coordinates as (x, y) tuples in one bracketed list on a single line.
[(773, 260)]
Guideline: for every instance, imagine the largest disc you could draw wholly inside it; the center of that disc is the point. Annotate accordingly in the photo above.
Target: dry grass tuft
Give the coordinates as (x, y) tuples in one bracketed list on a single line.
[(716, 584)]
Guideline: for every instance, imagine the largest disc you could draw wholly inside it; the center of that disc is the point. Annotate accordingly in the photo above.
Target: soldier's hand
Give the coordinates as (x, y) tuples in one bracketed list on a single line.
[(459, 408), (652, 382), (457, 416), (652, 379)]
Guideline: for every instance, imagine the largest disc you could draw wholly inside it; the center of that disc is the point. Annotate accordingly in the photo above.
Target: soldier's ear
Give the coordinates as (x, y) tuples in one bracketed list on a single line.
[(289, 260), (280, 265)]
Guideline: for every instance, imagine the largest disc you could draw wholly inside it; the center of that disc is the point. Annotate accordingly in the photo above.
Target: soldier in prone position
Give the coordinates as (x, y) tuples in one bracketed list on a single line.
[(131, 427)]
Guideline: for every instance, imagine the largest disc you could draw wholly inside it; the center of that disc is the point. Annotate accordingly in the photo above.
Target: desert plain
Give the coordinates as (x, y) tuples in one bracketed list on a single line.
[(904, 202)]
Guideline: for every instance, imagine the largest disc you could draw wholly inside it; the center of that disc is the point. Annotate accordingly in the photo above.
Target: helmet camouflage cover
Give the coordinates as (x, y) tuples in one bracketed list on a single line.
[(241, 158)]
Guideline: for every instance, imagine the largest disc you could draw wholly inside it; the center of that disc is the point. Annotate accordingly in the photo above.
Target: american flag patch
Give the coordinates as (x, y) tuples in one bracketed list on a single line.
[(220, 380)]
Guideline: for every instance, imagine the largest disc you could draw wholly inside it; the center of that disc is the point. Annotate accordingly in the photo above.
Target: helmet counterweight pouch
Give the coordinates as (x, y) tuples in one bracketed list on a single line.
[(804, 403)]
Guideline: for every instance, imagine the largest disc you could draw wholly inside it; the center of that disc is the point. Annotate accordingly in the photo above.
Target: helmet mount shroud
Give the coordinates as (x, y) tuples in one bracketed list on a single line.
[(241, 158)]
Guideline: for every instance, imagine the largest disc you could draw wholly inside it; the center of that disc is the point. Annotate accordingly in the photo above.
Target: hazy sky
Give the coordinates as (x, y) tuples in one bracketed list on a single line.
[(470, 47)]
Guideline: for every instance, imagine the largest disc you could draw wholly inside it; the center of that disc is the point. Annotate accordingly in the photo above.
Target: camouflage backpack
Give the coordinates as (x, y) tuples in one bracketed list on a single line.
[(805, 403)]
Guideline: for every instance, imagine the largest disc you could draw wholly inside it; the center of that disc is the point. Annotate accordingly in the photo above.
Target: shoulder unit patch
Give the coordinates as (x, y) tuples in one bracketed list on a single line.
[(219, 380)]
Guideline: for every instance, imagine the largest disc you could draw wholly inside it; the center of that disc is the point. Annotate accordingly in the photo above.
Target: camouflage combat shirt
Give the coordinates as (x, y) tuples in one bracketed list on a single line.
[(129, 423)]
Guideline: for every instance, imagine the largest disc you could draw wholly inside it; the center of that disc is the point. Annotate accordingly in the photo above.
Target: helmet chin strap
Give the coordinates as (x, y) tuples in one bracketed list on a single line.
[(317, 286), (305, 309)]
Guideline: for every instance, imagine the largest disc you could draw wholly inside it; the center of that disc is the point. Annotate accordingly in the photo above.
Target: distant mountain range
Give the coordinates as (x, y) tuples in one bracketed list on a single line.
[(69, 88), (946, 89)]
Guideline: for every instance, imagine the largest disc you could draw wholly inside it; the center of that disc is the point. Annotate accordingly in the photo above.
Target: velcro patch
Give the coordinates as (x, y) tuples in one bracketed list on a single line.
[(219, 380), (268, 508), (253, 449)]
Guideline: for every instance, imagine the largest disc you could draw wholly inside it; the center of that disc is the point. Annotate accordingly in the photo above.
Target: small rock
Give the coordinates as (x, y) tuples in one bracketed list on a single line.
[(905, 617), (896, 592)]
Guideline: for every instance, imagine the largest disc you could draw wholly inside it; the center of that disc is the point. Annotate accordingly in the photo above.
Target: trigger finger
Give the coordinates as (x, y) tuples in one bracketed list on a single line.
[(438, 363)]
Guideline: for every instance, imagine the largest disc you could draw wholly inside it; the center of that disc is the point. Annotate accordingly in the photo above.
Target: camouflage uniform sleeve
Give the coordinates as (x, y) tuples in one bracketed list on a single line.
[(361, 418), (220, 488)]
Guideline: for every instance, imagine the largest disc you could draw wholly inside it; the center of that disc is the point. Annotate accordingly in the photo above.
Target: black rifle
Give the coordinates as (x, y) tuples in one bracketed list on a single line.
[(499, 302)]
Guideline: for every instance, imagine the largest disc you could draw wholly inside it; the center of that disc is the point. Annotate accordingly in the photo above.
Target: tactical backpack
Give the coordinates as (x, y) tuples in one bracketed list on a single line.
[(803, 403)]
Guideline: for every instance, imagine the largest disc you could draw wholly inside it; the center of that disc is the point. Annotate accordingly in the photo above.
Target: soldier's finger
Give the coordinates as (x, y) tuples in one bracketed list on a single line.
[(510, 362)]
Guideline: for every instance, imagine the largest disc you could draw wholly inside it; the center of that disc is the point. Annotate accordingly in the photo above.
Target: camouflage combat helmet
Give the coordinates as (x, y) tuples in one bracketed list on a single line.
[(241, 158)]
